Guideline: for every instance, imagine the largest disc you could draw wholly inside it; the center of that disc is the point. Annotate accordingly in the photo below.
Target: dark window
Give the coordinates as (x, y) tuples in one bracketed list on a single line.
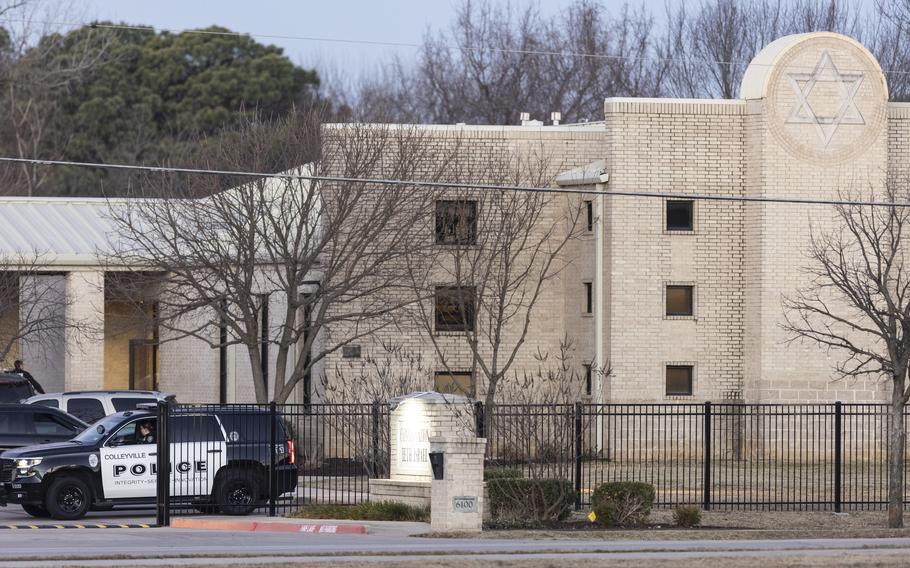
[(456, 222), (15, 390), (350, 352), (454, 308), (679, 300), (196, 429), (679, 215), (589, 298), (457, 382), (127, 436), (50, 425), (679, 379), (589, 379), (589, 209), (121, 404), (86, 409), (15, 423), (250, 426), (51, 402)]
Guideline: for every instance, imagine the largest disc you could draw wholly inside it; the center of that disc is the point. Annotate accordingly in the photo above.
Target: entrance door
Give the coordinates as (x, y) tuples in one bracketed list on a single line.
[(143, 364)]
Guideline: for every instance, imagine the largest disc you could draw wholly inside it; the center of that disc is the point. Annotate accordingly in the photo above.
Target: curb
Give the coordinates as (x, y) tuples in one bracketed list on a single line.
[(78, 526), (265, 526)]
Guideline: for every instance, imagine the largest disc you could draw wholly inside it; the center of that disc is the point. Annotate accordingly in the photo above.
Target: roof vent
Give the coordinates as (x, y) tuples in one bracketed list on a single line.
[(526, 120)]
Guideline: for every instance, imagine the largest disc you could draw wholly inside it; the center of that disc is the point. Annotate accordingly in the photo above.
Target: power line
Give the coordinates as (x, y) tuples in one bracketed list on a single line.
[(458, 185), (546, 53)]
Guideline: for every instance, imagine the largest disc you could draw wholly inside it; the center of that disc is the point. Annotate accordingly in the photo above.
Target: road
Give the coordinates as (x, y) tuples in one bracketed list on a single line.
[(389, 543)]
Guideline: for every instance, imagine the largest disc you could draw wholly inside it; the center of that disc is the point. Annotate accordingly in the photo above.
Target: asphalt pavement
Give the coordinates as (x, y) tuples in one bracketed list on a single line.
[(384, 542)]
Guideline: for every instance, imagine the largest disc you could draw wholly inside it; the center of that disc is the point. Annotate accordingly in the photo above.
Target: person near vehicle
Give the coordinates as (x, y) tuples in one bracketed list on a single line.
[(145, 432), (18, 369)]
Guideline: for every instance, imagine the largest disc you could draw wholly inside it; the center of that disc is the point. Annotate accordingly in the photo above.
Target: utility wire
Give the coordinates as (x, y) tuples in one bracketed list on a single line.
[(458, 185), (546, 53)]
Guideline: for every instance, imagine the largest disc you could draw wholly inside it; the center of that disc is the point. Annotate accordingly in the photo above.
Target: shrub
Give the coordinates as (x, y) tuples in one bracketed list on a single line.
[(688, 516), (530, 499), (501, 472), (371, 511), (623, 503)]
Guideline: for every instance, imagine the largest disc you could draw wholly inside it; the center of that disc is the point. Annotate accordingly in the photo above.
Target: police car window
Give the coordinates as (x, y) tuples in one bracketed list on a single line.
[(195, 429), (14, 423), (121, 404), (85, 409), (50, 425), (51, 402), (248, 426), (137, 432), (99, 429)]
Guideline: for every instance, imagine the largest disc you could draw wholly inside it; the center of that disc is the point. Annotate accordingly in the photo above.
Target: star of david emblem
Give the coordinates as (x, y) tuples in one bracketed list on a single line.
[(847, 85)]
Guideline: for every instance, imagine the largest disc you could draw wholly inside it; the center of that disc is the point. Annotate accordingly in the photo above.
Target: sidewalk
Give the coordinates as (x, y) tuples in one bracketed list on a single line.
[(260, 523)]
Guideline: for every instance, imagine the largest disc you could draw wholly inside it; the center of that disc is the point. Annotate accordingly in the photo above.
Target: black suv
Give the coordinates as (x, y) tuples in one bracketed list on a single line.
[(27, 425), (15, 388), (220, 458)]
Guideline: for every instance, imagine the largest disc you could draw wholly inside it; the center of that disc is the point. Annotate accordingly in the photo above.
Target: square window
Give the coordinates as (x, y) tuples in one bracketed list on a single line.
[(350, 352), (456, 222), (679, 215), (679, 300), (679, 380), (454, 308), (589, 298), (456, 382)]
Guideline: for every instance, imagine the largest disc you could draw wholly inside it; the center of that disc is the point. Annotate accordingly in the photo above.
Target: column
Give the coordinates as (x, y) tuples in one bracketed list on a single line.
[(83, 366)]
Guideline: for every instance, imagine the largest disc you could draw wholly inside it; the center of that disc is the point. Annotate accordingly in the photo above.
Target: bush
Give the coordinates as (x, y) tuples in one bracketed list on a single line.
[(371, 511), (687, 516), (530, 499), (623, 503), (501, 472)]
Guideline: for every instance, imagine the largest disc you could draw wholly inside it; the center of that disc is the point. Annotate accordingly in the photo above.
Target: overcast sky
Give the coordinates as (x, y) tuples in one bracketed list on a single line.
[(376, 20)]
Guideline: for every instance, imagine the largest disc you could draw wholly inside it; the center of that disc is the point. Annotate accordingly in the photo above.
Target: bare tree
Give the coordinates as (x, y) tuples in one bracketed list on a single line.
[(37, 67), (320, 253), (857, 302), (710, 46), (479, 292), (33, 307), (495, 62)]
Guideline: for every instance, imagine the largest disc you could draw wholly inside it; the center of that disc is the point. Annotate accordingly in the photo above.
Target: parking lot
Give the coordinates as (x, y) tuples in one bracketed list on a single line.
[(14, 515)]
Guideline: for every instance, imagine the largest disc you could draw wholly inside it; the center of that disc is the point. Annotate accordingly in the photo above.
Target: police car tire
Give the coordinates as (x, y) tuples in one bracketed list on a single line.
[(228, 484), (75, 490), (36, 511)]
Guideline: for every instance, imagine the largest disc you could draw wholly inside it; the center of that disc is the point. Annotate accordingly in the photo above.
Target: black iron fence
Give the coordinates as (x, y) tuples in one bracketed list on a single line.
[(270, 459), (274, 458), (724, 456)]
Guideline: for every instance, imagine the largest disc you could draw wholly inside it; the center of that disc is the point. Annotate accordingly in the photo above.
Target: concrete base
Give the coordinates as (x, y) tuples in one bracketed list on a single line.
[(414, 493)]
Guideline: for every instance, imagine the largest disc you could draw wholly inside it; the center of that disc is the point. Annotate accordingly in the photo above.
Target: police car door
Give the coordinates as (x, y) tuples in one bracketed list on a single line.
[(198, 450), (128, 465)]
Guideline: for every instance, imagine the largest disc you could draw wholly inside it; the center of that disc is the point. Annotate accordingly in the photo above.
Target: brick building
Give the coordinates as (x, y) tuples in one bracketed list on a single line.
[(681, 297)]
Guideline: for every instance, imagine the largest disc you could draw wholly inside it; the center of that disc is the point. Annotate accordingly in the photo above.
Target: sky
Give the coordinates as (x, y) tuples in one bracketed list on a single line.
[(404, 21)]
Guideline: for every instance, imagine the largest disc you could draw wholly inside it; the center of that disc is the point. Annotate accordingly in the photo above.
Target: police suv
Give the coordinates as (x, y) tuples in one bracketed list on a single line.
[(220, 460)]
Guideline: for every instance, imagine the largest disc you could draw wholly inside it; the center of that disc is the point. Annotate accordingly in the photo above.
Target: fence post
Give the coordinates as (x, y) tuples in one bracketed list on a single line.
[(273, 436), (163, 468), (479, 421), (838, 457), (706, 487), (374, 438), (578, 451)]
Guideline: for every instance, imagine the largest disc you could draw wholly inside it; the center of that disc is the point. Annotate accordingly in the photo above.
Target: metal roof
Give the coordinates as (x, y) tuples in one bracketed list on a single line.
[(61, 231)]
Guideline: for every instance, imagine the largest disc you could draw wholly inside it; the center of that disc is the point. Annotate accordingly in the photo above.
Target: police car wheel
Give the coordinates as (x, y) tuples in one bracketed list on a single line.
[(237, 493), (68, 498), (36, 511)]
